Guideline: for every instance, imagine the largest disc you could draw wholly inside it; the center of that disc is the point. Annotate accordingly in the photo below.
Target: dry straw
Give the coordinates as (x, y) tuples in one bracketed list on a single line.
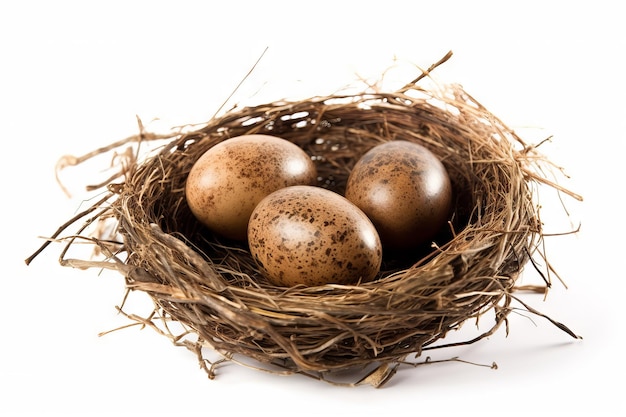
[(211, 290)]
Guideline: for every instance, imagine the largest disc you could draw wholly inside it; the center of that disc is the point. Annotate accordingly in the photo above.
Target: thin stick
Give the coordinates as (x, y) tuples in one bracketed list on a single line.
[(65, 226), (240, 82), (426, 73)]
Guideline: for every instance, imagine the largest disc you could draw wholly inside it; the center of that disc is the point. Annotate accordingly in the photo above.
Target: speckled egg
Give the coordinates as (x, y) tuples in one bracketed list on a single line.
[(227, 182), (306, 235), (404, 189)]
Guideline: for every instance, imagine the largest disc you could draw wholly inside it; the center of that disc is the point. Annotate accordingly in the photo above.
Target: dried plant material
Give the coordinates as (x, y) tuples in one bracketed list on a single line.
[(212, 290)]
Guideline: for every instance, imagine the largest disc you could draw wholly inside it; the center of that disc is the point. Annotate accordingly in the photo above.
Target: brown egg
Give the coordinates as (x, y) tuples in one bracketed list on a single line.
[(229, 180), (312, 236), (404, 189)]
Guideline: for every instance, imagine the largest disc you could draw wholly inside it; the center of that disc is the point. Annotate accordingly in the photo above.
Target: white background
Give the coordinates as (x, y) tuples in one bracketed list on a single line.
[(74, 76)]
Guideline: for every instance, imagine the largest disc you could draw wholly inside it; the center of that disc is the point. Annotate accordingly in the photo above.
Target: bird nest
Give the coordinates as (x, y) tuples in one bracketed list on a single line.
[(213, 290)]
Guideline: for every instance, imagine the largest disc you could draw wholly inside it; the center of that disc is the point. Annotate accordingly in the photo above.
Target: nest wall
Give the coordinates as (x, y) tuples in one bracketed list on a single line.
[(214, 287)]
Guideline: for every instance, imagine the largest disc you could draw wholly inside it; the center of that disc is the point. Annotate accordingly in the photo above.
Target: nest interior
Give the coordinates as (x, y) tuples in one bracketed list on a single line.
[(214, 289)]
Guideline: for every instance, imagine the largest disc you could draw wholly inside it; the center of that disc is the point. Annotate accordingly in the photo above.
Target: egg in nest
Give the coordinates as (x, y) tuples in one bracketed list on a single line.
[(307, 235), (404, 189), (227, 182)]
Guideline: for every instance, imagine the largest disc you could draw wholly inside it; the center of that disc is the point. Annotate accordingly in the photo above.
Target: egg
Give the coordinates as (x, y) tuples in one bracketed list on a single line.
[(404, 189), (307, 235), (227, 182)]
